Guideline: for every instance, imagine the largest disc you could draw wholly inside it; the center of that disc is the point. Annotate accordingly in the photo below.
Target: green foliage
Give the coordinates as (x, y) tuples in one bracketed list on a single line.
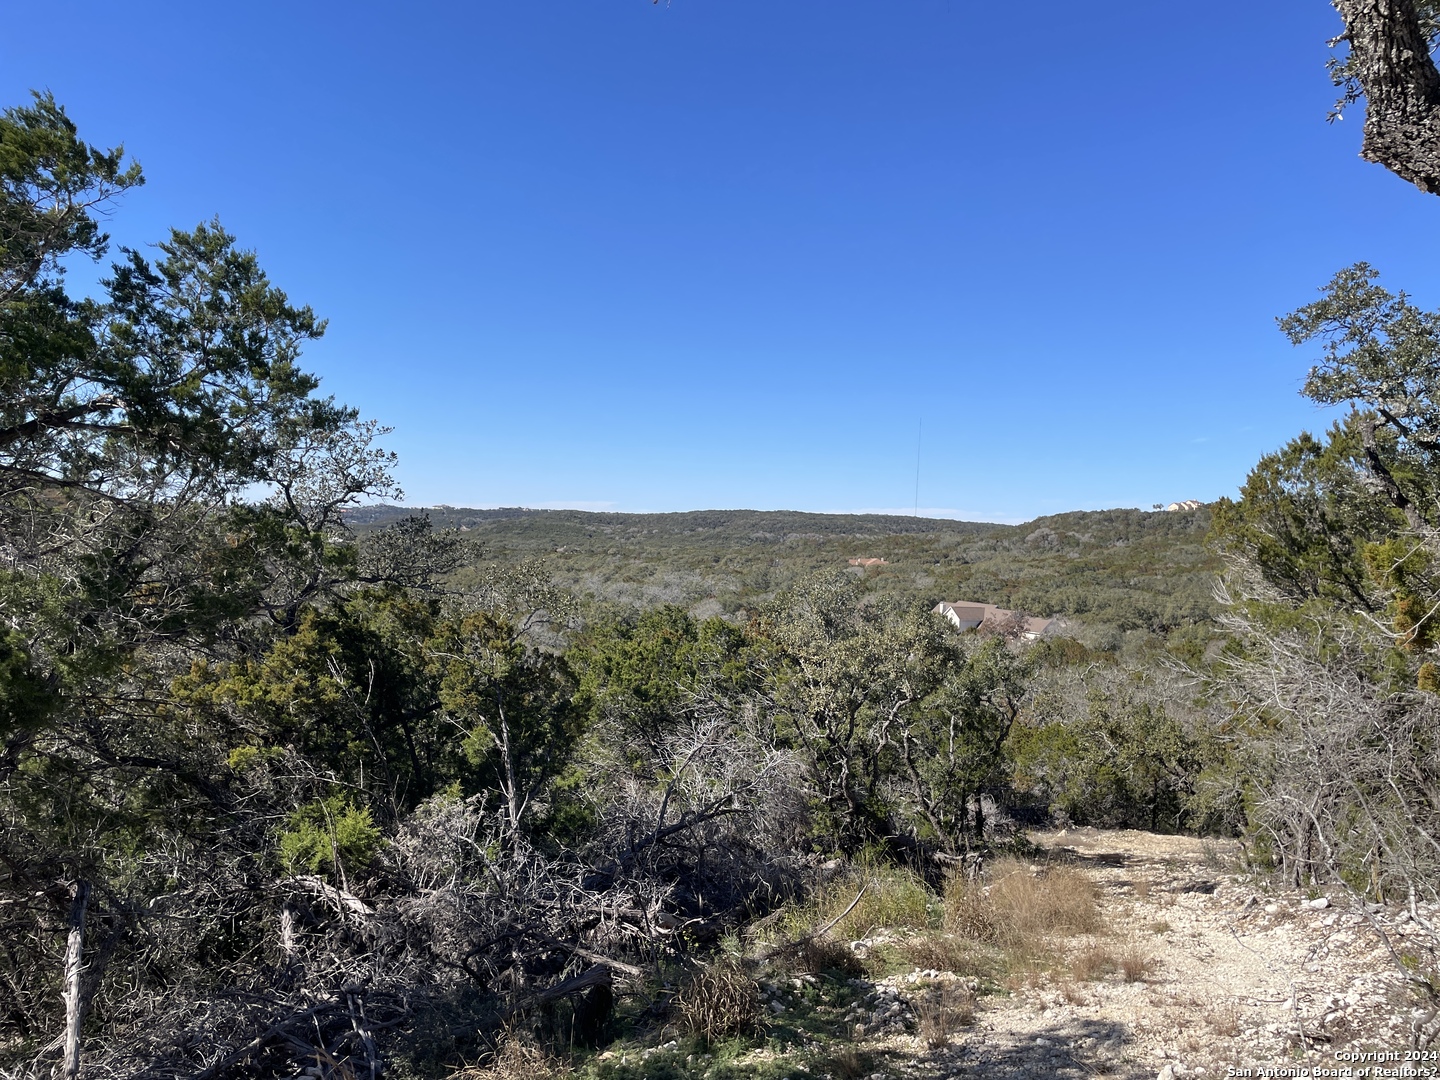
[(1380, 352), (954, 748), (844, 674), (515, 703), (348, 686), (1127, 760), (329, 836), (637, 673), (1305, 515), (53, 184), (26, 702), (640, 673), (1405, 568), (1125, 575)]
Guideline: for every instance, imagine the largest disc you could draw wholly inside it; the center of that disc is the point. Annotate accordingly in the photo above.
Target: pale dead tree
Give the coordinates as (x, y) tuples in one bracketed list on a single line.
[(73, 993)]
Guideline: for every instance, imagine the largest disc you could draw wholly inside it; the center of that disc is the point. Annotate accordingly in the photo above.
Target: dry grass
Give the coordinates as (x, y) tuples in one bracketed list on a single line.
[(942, 1013), (1224, 1021), (717, 1002), (967, 909), (1091, 963), (949, 952), (1135, 965), (517, 1059), (826, 954), (1021, 908), (847, 1064), (1141, 888), (1072, 994)]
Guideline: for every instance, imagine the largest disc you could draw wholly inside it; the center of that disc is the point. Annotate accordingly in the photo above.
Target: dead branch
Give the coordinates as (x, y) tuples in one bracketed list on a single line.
[(279, 1029), (595, 976)]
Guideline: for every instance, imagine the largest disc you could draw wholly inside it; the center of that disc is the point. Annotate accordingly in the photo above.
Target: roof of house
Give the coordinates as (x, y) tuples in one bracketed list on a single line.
[(974, 614)]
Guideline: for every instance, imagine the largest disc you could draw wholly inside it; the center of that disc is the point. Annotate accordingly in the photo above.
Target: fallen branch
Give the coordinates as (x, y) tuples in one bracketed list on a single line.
[(595, 976), (343, 902), (584, 954), (276, 1030)]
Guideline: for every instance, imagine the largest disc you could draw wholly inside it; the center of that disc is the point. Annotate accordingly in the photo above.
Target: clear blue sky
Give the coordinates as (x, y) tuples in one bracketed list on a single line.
[(725, 253)]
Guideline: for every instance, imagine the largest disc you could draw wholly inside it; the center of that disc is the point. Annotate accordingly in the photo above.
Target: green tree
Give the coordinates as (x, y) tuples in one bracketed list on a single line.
[(953, 747), (1306, 513), (137, 428), (514, 706)]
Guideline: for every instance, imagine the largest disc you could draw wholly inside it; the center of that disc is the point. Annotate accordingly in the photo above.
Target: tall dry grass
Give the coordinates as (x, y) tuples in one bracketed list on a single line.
[(1020, 907), (718, 1001)]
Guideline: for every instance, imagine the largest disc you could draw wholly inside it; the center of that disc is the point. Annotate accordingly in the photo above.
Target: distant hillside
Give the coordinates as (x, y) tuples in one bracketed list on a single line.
[(1120, 576), (733, 525)]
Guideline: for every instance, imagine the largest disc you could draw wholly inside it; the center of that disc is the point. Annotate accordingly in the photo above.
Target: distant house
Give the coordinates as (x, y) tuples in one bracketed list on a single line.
[(1184, 504), (867, 562), (965, 615)]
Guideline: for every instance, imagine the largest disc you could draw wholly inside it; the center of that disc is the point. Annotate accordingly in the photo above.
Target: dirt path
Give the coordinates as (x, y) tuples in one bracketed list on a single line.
[(1236, 978)]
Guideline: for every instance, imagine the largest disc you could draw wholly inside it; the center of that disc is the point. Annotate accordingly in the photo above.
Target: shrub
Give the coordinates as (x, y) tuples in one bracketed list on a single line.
[(320, 832), (846, 1064), (824, 953), (1135, 965)]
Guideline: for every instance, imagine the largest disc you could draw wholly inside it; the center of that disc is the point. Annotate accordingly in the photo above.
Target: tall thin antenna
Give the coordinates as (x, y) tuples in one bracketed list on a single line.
[(919, 432)]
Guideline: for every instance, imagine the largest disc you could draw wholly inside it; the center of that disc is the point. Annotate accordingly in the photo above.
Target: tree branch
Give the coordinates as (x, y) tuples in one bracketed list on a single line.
[(1390, 59)]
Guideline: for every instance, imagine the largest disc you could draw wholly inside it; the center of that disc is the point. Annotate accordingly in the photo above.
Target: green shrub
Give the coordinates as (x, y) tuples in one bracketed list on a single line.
[(320, 832)]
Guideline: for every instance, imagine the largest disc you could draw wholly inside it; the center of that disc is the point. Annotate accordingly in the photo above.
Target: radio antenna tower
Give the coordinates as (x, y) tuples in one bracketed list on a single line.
[(919, 432)]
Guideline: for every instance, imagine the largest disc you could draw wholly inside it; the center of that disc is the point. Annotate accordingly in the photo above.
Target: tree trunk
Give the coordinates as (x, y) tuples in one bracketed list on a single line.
[(1390, 58), (72, 993)]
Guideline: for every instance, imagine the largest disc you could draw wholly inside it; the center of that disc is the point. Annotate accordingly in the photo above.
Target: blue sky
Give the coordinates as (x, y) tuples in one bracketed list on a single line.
[(619, 255)]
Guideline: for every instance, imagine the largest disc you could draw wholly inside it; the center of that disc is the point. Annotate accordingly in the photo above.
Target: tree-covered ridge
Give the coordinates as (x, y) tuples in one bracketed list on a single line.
[(1113, 572)]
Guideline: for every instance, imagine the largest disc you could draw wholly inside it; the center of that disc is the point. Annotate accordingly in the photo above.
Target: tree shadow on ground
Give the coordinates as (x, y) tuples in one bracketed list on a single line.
[(1074, 1048)]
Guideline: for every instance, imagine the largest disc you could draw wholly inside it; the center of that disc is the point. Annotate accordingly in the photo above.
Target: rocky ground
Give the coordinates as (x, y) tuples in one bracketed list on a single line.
[(1224, 973)]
